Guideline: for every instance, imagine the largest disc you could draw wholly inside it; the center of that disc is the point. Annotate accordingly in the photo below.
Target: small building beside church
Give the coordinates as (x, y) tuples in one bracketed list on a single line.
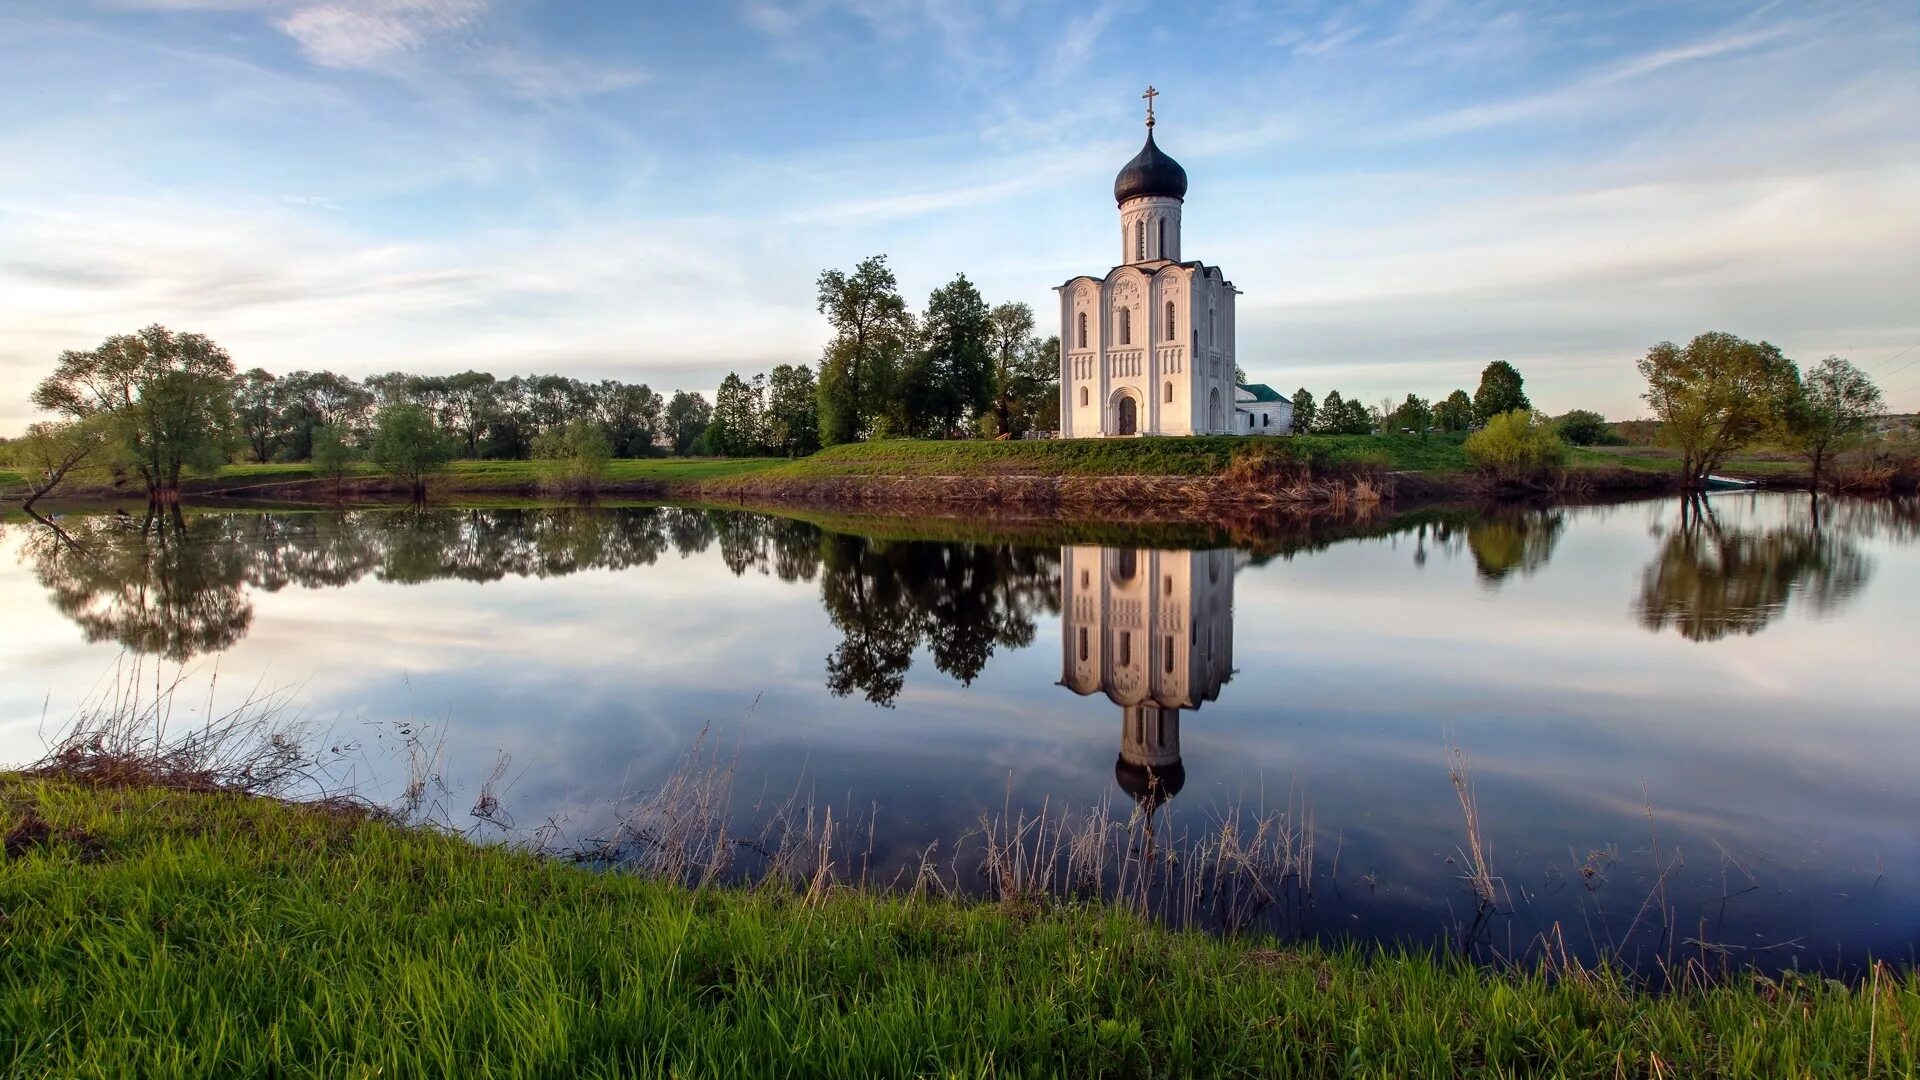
[(1148, 348)]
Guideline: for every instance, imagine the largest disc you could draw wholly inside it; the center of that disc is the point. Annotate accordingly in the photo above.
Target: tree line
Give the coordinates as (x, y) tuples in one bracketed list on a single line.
[(180, 586), (1500, 391), (156, 404)]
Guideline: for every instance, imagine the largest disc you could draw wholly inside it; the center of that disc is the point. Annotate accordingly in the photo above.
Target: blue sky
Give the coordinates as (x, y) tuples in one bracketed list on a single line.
[(647, 191)]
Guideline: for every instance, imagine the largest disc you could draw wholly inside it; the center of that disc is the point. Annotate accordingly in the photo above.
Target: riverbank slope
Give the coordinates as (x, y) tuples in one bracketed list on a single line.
[(1081, 474), (169, 932)]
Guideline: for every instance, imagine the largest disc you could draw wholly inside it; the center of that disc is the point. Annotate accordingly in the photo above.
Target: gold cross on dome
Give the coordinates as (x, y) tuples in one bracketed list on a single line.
[(1150, 95)]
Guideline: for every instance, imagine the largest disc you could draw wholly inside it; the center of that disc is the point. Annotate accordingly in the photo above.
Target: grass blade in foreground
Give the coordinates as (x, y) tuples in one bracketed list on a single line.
[(158, 932)]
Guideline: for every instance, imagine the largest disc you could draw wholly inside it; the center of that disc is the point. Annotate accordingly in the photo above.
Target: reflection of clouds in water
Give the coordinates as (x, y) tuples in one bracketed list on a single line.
[(592, 647)]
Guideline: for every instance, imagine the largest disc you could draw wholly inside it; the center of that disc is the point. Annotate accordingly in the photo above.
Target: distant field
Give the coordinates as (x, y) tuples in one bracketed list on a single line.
[(1661, 459)]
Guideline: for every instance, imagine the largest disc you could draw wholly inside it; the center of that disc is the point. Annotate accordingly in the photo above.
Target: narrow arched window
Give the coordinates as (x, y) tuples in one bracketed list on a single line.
[(1170, 334), (1126, 326), (1140, 240), (1083, 395), (1162, 250), (1083, 331), (1169, 392)]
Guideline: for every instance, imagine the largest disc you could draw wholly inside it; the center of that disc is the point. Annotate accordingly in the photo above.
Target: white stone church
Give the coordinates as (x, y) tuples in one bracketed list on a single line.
[(1149, 348)]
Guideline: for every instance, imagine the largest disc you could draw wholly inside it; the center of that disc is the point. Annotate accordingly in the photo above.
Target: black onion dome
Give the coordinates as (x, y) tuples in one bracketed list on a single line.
[(1150, 173), (1148, 786)]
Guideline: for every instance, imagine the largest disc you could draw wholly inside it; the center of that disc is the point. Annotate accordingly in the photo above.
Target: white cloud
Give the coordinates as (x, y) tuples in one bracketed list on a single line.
[(365, 34), (672, 302), (1599, 89)]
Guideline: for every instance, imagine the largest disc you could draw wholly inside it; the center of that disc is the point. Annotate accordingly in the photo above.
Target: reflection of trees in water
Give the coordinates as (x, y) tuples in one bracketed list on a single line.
[(1503, 540), (1513, 540), (1711, 580), (960, 600), (177, 585), (159, 584)]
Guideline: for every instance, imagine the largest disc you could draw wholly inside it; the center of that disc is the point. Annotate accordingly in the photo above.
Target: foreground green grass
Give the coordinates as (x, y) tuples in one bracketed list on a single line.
[(158, 934)]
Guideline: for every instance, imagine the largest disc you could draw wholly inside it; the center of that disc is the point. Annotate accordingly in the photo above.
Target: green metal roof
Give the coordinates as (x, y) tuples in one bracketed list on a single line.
[(1261, 391)]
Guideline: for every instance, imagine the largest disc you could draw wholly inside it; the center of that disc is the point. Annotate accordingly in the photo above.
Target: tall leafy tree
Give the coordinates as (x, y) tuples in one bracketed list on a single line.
[(630, 414), (1500, 392), (793, 414), (257, 410), (470, 404), (870, 330), (1715, 395), (1415, 414), (1040, 387), (1304, 410), (1830, 411), (1454, 413), (168, 397), (954, 380), (1356, 418), (735, 429), (687, 417), (1332, 416), (316, 399), (1013, 344)]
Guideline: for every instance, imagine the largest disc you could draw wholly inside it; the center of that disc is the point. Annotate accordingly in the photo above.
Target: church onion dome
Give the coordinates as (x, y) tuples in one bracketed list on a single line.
[(1148, 786), (1150, 173)]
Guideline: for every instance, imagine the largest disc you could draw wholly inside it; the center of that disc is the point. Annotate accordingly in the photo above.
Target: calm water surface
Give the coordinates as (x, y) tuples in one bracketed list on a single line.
[(1740, 671)]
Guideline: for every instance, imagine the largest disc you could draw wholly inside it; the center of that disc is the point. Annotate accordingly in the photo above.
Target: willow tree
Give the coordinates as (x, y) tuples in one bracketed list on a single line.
[(167, 397), (1714, 396)]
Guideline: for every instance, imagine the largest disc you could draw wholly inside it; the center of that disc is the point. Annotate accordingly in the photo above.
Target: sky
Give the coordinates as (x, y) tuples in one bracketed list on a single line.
[(648, 191)]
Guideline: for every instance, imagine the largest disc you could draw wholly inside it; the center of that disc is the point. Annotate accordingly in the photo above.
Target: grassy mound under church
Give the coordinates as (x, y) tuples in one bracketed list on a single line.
[(159, 932)]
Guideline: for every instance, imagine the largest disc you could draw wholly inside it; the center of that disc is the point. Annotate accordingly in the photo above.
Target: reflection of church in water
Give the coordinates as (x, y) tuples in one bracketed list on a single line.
[(1153, 630)]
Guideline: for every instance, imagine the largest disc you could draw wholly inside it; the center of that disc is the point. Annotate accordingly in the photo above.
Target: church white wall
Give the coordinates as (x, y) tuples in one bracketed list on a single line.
[(1179, 382)]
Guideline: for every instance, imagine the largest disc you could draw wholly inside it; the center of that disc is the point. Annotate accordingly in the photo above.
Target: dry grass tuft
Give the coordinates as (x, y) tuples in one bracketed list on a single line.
[(132, 734)]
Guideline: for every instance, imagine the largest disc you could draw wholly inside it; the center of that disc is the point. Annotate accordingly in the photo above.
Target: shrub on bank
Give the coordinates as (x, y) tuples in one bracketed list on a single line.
[(572, 459), (1518, 447)]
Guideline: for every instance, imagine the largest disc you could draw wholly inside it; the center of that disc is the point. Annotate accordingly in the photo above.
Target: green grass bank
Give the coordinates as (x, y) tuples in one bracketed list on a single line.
[(1075, 473), (162, 933)]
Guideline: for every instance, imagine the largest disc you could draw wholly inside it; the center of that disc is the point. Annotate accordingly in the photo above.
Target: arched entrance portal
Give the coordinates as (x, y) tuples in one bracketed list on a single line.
[(1126, 416), (1214, 422)]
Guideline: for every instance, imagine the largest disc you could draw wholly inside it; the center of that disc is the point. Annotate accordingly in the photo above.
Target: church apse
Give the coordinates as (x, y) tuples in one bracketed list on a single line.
[(1153, 631)]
